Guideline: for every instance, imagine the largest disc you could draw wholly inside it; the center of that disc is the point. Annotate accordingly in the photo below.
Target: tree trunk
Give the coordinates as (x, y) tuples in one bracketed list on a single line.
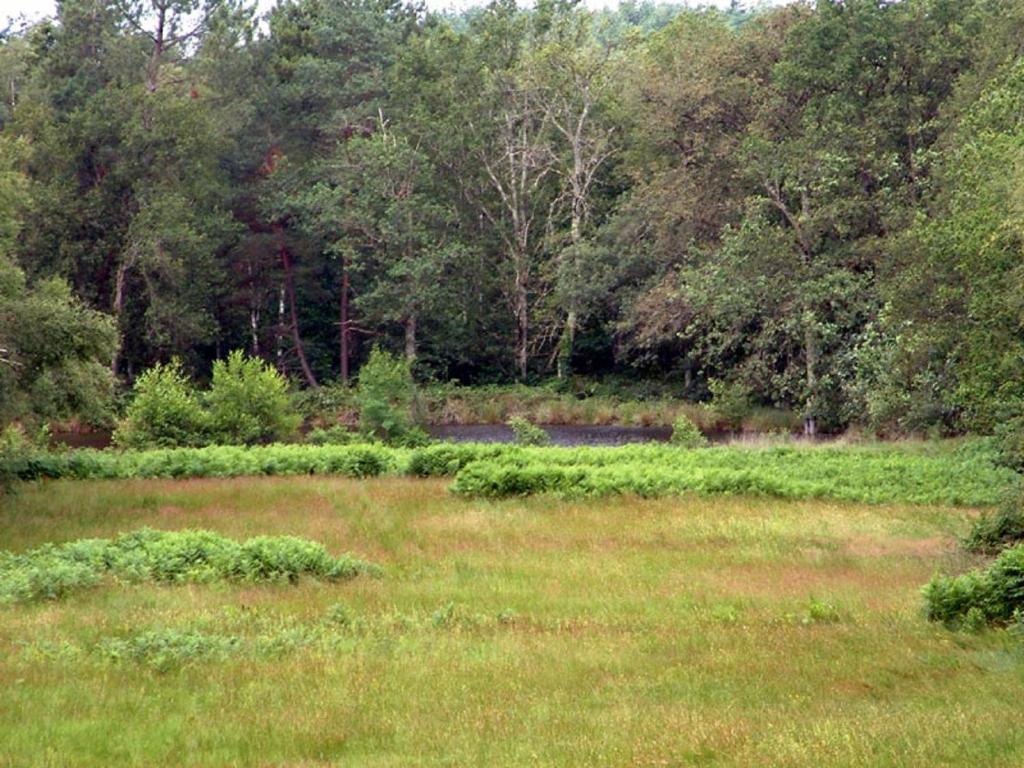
[(289, 273), (343, 331), (280, 328), (410, 339), (811, 362), (566, 344), (117, 307), (522, 317)]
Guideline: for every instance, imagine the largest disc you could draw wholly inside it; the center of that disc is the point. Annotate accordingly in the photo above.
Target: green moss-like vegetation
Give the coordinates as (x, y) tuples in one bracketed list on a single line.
[(54, 571)]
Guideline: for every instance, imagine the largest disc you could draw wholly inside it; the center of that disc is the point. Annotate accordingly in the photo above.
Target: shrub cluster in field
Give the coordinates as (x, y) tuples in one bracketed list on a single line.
[(53, 571), (991, 595), (247, 403)]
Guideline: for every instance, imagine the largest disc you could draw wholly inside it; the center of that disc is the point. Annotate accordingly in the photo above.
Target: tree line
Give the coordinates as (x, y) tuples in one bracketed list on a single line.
[(815, 205)]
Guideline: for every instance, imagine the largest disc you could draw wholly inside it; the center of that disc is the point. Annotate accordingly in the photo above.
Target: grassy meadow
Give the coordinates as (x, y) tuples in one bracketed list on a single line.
[(688, 630)]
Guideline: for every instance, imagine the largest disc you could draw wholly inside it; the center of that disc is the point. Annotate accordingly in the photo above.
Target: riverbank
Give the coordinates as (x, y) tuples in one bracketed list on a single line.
[(451, 405)]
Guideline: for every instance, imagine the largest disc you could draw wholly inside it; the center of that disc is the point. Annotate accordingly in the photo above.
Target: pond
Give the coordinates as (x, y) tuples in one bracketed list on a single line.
[(561, 434)]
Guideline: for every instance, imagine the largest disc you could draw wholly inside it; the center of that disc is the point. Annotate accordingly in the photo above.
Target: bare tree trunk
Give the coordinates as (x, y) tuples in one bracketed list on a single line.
[(280, 328), (300, 351), (521, 309), (343, 331), (254, 314), (410, 339)]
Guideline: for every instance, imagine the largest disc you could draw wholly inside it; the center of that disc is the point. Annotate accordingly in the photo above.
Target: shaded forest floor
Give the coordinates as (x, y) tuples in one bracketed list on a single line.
[(683, 631)]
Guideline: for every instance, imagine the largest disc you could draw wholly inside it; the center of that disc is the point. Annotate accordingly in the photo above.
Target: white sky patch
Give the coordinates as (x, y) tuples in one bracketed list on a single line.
[(35, 9)]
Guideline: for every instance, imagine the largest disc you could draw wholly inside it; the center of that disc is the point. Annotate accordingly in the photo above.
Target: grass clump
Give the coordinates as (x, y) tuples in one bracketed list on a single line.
[(54, 570), (527, 433)]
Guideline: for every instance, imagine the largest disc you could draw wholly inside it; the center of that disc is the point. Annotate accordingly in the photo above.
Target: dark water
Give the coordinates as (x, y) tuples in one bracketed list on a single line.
[(560, 434)]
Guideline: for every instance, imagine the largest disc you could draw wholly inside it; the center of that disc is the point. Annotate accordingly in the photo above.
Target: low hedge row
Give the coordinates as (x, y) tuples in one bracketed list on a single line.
[(872, 474), (849, 473), (211, 461)]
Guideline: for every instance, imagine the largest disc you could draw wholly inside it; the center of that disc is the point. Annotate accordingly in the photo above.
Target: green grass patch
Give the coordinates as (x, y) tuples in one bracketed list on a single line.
[(724, 630), (53, 571)]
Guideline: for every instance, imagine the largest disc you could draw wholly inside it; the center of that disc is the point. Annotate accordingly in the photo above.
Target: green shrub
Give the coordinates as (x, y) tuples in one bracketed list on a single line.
[(1009, 435), (249, 402), (686, 434), (994, 531), (730, 401), (526, 433), (164, 411), (446, 459), (385, 395), (52, 571), (994, 595), (336, 435)]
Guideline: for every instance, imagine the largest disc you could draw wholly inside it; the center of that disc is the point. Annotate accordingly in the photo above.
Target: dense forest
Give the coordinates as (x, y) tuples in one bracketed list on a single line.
[(821, 206)]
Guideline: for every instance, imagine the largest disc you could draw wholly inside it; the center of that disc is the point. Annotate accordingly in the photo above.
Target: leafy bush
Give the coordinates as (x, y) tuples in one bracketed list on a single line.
[(730, 401), (994, 531), (385, 394), (686, 434), (994, 595), (249, 403), (527, 433), (164, 411), (1009, 436), (52, 571), (446, 459)]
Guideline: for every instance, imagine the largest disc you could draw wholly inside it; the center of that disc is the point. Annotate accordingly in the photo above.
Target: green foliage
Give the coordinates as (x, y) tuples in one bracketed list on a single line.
[(994, 595), (527, 433), (1009, 434), (995, 531), (248, 402), (336, 435), (55, 352), (16, 451), (164, 411), (446, 459), (210, 461), (730, 401), (385, 396), (167, 649), (869, 475), (55, 570), (686, 434)]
